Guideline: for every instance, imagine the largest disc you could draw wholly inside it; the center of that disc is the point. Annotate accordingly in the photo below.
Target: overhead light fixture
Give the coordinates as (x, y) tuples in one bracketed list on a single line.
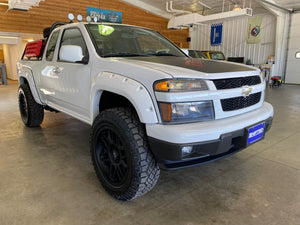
[(195, 18), (236, 7), (172, 10), (9, 37), (22, 5)]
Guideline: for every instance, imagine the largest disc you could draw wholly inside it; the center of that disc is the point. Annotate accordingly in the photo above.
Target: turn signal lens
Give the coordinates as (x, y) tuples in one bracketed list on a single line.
[(166, 111), (180, 85), (161, 86)]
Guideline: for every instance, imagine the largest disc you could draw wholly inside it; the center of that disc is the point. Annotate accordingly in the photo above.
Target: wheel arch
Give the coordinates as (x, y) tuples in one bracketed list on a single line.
[(23, 80), (124, 92), (111, 100), (26, 77)]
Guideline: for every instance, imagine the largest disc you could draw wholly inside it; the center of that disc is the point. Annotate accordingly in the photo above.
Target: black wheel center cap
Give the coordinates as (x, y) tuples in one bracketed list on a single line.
[(114, 155)]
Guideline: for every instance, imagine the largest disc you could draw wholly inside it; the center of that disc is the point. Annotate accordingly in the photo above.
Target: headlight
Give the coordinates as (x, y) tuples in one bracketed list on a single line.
[(186, 112), (180, 85)]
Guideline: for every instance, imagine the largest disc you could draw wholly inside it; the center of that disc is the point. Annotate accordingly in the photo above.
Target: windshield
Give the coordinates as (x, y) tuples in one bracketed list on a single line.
[(113, 40)]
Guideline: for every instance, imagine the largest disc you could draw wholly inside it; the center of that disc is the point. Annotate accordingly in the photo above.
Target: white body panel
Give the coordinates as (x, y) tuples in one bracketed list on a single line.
[(65, 85)]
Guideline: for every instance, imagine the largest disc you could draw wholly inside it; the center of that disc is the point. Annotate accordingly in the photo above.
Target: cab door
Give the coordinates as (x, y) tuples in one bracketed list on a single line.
[(70, 81)]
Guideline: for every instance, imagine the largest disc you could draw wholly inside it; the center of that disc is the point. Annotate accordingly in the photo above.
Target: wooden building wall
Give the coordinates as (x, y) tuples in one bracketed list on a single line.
[(50, 11)]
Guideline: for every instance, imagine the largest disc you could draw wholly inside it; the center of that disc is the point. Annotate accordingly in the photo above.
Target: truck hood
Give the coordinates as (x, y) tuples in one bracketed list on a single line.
[(184, 67)]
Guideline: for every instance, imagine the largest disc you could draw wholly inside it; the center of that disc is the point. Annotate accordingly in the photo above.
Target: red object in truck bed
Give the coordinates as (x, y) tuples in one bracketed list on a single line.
[(34, 48)]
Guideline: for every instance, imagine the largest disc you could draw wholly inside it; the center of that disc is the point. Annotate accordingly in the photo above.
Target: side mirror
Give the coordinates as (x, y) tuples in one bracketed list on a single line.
[(71, 53)]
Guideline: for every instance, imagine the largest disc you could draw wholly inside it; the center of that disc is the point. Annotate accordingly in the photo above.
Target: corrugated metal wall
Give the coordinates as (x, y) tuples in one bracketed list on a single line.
[(234, 39), (293, 64)]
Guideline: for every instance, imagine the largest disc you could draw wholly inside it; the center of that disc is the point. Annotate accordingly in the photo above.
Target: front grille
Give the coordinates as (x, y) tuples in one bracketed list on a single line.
[(231, 104), (236, 82)]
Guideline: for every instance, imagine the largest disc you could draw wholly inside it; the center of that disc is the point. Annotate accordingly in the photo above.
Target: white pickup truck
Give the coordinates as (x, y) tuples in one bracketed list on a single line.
[(149, 105)]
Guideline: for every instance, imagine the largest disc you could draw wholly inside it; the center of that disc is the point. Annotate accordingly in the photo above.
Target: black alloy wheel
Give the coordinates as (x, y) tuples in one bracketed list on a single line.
[(111, 157), (32, 113), (23, 106), (122, 160)]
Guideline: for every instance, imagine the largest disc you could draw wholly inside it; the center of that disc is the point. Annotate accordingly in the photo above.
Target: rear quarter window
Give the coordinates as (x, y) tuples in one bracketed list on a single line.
[(51, 46)]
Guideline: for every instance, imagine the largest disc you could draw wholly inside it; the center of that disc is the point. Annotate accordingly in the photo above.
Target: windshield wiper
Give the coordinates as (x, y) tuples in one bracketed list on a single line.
[(123, 54)]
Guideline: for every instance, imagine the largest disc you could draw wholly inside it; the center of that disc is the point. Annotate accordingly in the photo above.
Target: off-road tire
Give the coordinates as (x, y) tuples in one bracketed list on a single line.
[(121, 157), (32, 113)]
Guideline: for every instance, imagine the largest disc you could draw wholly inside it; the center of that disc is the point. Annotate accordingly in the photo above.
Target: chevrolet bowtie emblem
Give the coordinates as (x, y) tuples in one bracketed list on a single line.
[(246, 91)]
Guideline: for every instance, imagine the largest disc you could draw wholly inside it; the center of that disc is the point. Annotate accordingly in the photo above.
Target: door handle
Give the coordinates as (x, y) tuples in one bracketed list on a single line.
[(56, 70)]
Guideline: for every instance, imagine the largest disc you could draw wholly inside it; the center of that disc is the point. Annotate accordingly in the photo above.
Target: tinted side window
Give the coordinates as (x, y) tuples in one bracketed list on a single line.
[(51, 46), (74, 37)]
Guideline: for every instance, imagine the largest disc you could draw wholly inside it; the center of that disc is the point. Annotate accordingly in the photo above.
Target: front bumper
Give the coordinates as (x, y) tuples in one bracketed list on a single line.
[(232, 134)]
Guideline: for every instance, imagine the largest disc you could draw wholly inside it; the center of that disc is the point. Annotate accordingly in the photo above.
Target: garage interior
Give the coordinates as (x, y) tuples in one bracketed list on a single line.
[(46, 173)]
